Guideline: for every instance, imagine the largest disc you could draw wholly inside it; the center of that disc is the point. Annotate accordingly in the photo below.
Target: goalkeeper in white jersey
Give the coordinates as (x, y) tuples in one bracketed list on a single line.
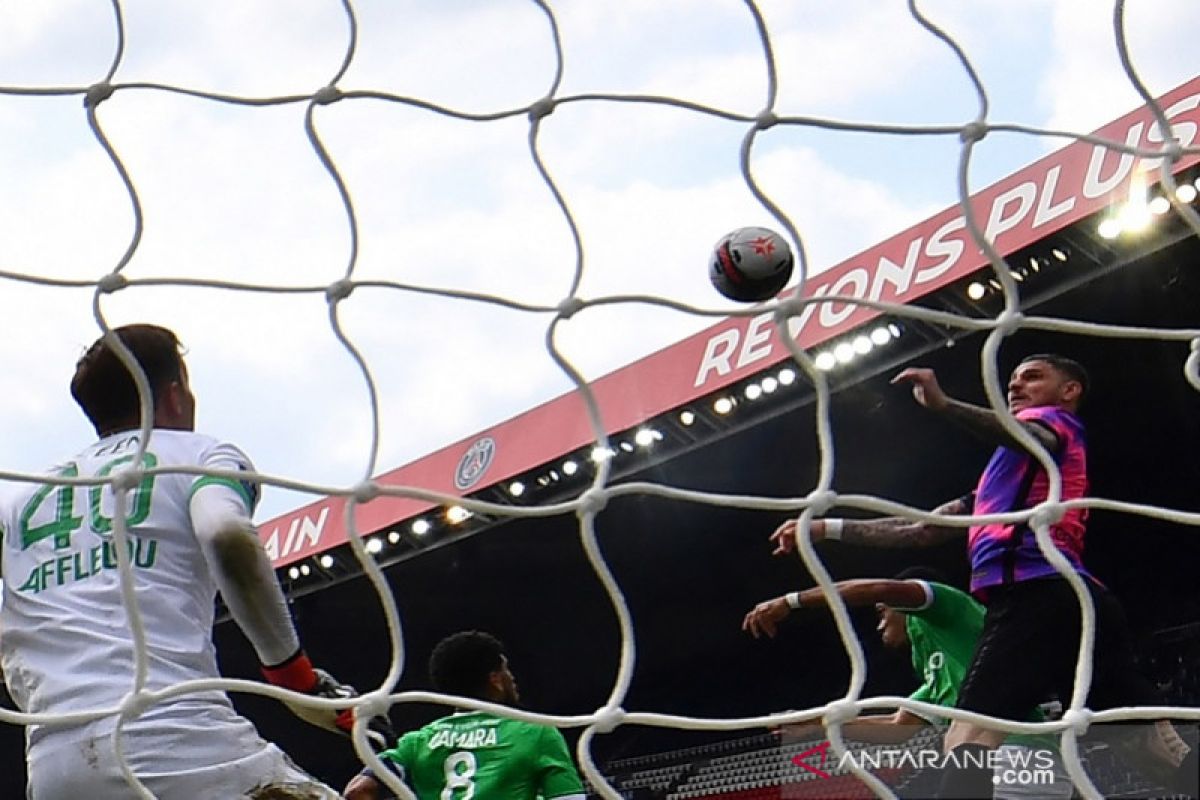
[(67, 645)]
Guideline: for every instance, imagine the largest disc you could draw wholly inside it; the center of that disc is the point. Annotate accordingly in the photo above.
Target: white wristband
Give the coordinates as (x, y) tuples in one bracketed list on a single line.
[(793, 599), (833, 528)]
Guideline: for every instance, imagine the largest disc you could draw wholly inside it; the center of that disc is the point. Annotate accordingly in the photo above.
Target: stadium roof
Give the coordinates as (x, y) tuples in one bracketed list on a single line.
[(1043, 219), (689, 571)]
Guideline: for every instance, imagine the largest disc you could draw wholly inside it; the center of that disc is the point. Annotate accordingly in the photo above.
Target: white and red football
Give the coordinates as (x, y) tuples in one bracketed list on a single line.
[(751, 265)]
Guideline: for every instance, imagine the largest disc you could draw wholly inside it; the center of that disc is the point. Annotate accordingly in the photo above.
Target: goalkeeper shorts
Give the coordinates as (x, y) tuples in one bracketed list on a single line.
[(210, 754)]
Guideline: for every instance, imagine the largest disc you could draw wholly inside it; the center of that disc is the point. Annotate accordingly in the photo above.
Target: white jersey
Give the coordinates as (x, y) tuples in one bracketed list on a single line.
[(65, 640)]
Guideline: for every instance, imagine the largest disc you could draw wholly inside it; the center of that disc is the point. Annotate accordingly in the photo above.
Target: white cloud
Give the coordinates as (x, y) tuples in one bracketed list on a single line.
[(64, 42), (1086, 84), (238, 193)]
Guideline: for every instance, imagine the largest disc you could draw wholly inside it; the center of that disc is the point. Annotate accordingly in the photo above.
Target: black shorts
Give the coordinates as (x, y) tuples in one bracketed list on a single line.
[(1029, 645)]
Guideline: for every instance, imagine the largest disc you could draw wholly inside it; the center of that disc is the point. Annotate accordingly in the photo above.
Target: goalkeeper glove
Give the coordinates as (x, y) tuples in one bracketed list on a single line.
[(298, 674)]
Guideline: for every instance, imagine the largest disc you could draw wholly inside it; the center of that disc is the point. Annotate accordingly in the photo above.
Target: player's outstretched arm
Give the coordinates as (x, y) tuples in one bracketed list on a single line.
[(982, 422), (882, 532), (243, 574), (244, 577), (899, 726), (765, 617), (894, 728)]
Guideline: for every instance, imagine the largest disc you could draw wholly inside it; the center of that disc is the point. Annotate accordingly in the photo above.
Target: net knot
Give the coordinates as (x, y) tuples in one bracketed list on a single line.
[(822, 501), (126, 479), (766, 119), (1010, 322), (1047, 514), (608, 718), (97, 93), (326, 95), (541, 108), (1172, 150), (973, 132), (840, 711), (569, 307), (1078, 720), (592, 502), (365, 492), (338, 290), (135, 703), (372, 704), (112, 282), (789, 307)]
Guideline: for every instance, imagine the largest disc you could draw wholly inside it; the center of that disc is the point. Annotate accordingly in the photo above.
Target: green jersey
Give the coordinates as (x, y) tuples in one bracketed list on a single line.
[(943, 635), (480, 755)]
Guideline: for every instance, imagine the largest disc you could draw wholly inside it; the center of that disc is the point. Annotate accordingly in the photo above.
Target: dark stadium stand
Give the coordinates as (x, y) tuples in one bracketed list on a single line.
[(749, 768), (759, 768)]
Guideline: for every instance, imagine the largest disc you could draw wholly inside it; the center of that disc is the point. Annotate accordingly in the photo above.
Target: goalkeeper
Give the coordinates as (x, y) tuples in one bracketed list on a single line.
[(476, 753), (67, 645)]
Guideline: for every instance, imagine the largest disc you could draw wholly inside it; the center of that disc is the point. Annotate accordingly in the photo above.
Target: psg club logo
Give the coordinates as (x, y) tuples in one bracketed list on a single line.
[(474, 463)]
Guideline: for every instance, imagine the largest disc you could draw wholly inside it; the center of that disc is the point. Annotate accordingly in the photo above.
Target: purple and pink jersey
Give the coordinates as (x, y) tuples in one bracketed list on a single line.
[(1008, 553)]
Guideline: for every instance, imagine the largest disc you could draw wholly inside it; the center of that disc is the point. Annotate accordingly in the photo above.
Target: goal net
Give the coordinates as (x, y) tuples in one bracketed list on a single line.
[(404, 214)]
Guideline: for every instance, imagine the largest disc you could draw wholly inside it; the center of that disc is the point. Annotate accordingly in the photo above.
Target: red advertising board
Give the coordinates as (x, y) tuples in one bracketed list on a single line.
[(1060, 189)]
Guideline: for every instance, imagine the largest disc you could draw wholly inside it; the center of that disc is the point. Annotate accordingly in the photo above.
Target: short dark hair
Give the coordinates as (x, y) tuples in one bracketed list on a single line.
[(1067, 366), (921, 573), (462, 663), (103, 386)]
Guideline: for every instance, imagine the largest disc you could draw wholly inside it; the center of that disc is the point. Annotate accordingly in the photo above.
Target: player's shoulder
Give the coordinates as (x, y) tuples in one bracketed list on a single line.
[(401, 752), (201, 448), (952, 599), (14, 494), (547, 735), (11, 493), (409, 739), (186, 440), (1051, 415), (519, 729)]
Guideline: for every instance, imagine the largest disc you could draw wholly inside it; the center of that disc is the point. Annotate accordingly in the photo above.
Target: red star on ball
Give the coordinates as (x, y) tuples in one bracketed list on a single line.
[(763, 246)]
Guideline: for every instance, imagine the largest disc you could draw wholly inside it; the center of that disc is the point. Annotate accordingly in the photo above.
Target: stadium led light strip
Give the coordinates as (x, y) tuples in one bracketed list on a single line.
[(590, 501)]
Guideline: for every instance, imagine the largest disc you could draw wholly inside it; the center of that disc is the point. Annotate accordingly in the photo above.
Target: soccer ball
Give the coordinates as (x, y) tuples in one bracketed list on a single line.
[(750, 264)]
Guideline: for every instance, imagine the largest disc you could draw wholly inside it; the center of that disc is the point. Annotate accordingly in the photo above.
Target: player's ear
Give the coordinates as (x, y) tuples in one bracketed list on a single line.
[(1072, 391), (171, 405), (174, 398)]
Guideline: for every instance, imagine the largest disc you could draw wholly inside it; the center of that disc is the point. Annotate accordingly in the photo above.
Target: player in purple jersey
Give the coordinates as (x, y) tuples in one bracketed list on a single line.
[(1030, 640)]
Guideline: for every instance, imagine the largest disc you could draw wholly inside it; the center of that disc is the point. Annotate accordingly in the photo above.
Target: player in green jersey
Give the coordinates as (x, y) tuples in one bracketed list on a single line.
[(942, 625), (475, 754)]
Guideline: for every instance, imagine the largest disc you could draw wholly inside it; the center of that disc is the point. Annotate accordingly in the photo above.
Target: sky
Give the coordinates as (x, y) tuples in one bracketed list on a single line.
[(237, 193)]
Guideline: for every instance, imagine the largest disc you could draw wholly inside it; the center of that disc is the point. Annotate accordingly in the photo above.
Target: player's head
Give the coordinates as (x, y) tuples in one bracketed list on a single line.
[(105, 389), (473, 664), (1047, 379), (893, 627)]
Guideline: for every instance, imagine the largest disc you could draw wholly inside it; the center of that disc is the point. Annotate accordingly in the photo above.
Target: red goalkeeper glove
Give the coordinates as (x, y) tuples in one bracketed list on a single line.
[(298, 674)]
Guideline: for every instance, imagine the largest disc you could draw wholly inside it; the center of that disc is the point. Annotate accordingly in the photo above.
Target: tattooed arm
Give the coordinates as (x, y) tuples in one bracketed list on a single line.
[(982, 422), (882, 532)]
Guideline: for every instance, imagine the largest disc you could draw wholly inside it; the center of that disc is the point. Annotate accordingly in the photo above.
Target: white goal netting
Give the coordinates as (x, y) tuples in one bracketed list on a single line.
[(315, 191)]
